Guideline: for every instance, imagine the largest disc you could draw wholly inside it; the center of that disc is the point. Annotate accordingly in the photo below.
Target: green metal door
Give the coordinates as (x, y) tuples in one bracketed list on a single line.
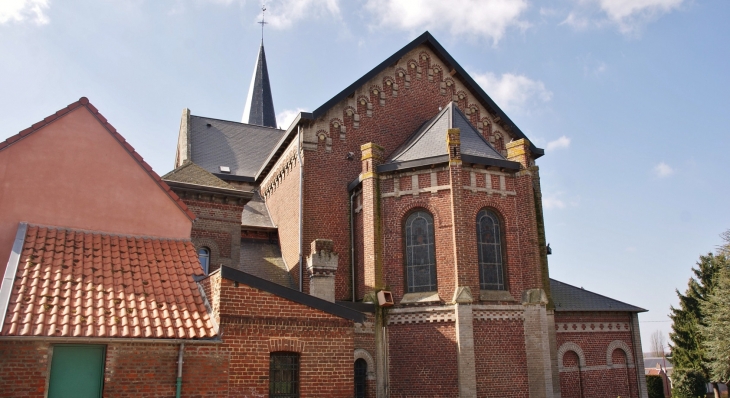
[(77, 371)]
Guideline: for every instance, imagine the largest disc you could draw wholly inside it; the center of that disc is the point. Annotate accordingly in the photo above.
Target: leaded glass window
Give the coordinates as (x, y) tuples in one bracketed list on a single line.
[(361, 374), (204, 256), (489, 243), (420, 253), (284, 375)]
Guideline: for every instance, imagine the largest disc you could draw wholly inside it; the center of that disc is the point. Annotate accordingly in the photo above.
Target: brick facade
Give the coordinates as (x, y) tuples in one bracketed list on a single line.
[(595, 355), (253, 324), (217, 227)]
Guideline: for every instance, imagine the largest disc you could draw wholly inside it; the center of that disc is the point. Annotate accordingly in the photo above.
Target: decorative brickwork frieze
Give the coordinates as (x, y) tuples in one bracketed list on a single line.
[(489, 181), (592, 327), (422, 315), (416, 187)]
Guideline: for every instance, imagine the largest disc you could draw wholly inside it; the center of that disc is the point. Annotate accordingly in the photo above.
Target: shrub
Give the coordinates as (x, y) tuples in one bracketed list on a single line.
[(655, 385), (688, 383)]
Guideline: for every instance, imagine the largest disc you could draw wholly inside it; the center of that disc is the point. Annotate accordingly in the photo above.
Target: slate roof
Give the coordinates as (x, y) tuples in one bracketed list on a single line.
[(427, 145), (570, 298), (191, 173), (242, 147), (84, 102), (72, 283), (259, 108), (264, 260), (256, 214)]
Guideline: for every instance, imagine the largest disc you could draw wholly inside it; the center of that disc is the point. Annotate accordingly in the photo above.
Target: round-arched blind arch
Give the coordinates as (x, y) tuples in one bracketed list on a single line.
[(491, 253), (420, 253)]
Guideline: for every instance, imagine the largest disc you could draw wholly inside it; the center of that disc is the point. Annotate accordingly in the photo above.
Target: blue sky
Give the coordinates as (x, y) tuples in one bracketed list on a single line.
[(629, 98)]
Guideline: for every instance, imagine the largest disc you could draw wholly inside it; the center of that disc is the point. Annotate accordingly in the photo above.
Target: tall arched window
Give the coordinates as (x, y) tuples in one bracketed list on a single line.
[(361, 374), (420, 253), (204, 256), (491, 253)]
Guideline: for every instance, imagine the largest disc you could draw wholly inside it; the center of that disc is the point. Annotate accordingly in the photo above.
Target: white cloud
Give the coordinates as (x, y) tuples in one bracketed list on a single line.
[(282, 14), (20, 10), (628, 15), (663, 170), (552, 202), (513, 92), (485, 18), (562, 142), (557, 200), (285, 117), (622, 10)]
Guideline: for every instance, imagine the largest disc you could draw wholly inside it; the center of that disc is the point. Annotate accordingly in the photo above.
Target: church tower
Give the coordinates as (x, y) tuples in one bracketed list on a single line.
[(259, 108)]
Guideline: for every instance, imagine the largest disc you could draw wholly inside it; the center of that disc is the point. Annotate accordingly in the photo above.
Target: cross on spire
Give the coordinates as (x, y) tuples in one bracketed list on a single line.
[(262, 22)]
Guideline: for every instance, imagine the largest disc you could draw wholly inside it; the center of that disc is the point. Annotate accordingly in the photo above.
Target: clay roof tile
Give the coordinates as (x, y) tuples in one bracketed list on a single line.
[(75, 283)]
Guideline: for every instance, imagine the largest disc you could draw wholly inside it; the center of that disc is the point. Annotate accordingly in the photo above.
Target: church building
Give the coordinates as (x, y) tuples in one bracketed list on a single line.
[(390, 243), (427, 197)]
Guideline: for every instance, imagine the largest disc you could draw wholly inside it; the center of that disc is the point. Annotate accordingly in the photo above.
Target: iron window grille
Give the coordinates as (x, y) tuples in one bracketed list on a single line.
[(361, 373), (284, 375)]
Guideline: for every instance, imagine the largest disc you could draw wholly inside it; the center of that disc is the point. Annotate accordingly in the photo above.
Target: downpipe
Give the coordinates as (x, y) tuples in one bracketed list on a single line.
[(352, 243), (178, 387), (301, 206)]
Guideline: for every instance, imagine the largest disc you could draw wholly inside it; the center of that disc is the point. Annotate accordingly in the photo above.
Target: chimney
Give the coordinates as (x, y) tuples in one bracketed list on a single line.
[(322, 265)]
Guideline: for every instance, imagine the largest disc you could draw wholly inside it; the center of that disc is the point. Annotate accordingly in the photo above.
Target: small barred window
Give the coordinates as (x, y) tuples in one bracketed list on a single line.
[(284, 375), (361, 374)]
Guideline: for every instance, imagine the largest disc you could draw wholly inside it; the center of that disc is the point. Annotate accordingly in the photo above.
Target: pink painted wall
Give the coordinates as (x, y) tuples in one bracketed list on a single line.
[(73, 173)]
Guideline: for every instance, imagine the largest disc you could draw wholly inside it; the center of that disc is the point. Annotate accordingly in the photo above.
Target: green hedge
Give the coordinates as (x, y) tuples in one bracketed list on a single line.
[(655, 385)]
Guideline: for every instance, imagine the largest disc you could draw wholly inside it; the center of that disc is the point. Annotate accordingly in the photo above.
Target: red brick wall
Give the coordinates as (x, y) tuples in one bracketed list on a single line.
[(597, 379), (23, 369), (217, 227), (255, 323), (423, 360), (131, 370), (366, 340), (522, 268), (500, 359), (394, 213), (283, 206), (150, 370)]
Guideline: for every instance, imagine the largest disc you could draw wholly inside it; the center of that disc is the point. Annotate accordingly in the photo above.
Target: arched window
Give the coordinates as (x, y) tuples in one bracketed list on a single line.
[(420, 253), (204, 256), (491, 253), (361, 376), (284, 375)]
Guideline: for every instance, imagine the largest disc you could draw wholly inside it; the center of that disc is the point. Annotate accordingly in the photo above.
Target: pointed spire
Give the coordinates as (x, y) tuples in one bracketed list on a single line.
[(259, 108)]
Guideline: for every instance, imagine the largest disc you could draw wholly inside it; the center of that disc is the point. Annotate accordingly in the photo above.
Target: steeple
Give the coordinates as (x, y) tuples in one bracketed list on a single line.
[(259, 108)]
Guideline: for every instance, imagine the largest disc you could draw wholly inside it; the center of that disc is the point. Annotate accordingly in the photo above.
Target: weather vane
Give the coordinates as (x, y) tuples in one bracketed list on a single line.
[(262, 22)]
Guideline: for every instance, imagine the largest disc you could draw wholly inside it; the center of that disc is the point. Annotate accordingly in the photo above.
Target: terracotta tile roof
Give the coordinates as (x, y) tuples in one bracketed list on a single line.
[(73, 283), (83, 101)]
